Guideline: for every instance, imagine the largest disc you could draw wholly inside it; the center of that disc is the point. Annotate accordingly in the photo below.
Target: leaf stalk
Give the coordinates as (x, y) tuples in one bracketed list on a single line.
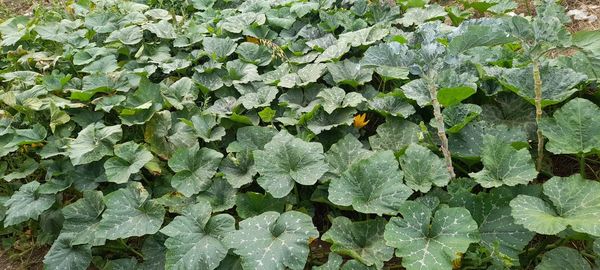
[(441, 130), (537, 80)]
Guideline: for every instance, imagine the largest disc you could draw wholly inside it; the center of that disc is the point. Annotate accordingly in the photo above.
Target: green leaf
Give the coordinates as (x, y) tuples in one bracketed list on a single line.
[(575, 204), (335, 98), (239, 72), (558, 83), (424, 242), (334, 262), (322, 121), (121, 264), (468, 142), (361, 240), (503, 164), (103, 65), (267, 114), (304, 76), (254, 54), (356, 265), (500, 234), (476, 36), (419, 16), (219, 48), (563, 258), (238, 168), (365, 36), (195, 239), (452, 96), (251, 138), (129, 159), (418, 91), (390, 60), (220, 195), (350, 73), (287, 160), (392, 104), (82, 218), (273, 241), (194, 169), (574, 128), (345, 152), (93, 143), (26, 204), (457, 117), (371, 185), (156, 131), (251, 204), (163, 29), (129, 213), (154, 253), (206, 127), (423, 169), (26, 167), (64, 255), (181, 93), (261, 98), (129, 35), (395, 134)]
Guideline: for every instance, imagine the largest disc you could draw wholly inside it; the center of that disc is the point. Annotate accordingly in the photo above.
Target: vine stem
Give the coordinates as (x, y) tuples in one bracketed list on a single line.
[(537, 80), (131, 249), (582, 165), (441, 130)]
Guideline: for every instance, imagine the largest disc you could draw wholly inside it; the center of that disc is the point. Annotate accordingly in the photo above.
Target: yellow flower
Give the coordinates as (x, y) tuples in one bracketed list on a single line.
[(359, 120)]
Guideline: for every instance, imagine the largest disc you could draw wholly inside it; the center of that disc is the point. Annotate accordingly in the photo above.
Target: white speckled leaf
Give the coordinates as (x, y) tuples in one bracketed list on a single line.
[(361, 240), (371, 185), (322, 121), (575, 203), (286, 160), (335, 97), (195, 239), (344, 153), (129, 213), (273, 241), (221, 195), (350, 73), (430, 244), (557, 83), (503, 164), (395, 134), (26, 204), (563, 258), (206, 127), (129, 159), (82, 218), (334, 261), (64, 255), (574, 129), (238, 168), (423, 169), (193, 169), (499, 232), (93, 143)]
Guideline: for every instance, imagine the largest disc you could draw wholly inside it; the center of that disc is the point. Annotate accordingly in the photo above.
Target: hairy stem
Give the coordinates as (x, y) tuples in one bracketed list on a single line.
[(439, 119), (537, 80)]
